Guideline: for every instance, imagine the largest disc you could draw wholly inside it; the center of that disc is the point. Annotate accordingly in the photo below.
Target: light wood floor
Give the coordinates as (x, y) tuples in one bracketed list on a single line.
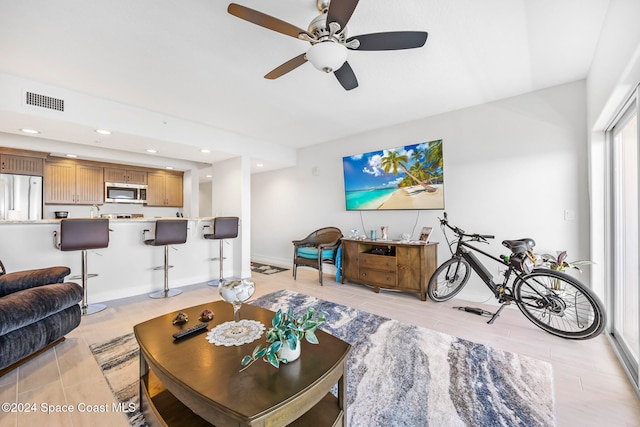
[(590, 386)]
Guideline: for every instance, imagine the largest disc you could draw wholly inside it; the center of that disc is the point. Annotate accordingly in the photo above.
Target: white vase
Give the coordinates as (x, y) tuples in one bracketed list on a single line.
[(286, 353)]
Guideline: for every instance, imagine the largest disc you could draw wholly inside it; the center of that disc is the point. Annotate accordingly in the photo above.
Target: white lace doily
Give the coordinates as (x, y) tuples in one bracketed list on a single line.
[(235, 333)]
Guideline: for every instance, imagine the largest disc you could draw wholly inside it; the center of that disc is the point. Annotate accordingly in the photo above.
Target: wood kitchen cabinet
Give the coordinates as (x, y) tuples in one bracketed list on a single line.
[(394, 265), (70, 183), (164, 189), (128, 176), (22, 165)]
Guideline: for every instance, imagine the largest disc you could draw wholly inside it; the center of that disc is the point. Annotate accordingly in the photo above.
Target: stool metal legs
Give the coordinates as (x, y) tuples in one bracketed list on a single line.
[(88, 308), (221, 258), (166, 292)]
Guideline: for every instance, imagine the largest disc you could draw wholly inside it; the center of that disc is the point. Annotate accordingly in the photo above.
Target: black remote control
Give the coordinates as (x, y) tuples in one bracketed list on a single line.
[(190, 331)]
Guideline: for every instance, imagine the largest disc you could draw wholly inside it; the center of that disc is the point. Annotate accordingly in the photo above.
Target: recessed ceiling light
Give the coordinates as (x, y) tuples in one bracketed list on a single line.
[(169, 167), (205, 150), (103, 132), (208, 176), (259, 165), (72, 155), (31, 131), (151, 150)]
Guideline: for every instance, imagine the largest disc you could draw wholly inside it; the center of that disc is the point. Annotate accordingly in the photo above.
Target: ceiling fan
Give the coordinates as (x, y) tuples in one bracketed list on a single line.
[(327, 34)]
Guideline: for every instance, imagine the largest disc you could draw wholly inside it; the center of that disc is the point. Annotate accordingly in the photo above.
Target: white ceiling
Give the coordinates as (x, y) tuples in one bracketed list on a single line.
[(185, 75)]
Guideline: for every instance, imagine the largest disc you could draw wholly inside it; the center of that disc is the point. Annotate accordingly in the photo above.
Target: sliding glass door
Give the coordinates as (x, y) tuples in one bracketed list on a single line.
[(625, 243)]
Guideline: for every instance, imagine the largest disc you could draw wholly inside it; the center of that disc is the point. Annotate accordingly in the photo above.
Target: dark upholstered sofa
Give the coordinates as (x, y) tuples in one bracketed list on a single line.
[(36, 311)]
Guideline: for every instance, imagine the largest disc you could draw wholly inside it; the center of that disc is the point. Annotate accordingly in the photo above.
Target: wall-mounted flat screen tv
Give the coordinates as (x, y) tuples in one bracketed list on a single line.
[(408, 177)]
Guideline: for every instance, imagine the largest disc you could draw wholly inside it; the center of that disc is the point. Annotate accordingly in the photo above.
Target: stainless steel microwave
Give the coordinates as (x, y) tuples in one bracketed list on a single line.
[(116, 192)]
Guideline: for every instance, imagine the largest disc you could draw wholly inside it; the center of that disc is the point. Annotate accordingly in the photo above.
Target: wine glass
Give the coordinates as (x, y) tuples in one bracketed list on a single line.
[(236, 332), (235, 292)]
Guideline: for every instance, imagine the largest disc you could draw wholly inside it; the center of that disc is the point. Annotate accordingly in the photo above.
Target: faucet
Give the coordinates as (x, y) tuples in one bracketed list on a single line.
[(96, 213)]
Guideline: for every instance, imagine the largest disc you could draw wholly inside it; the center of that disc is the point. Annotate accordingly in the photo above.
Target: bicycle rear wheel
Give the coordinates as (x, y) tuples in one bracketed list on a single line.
[(448, 279), (559, 304)]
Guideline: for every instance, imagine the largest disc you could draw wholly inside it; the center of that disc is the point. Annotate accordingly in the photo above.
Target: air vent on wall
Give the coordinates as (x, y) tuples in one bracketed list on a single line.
[(45, 101)]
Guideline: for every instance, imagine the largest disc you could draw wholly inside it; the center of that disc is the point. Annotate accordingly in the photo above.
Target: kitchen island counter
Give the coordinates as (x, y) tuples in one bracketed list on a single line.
[(57, 220), (126, 267)]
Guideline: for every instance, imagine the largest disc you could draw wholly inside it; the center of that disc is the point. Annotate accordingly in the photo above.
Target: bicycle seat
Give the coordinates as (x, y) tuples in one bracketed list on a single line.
[(519, 246)]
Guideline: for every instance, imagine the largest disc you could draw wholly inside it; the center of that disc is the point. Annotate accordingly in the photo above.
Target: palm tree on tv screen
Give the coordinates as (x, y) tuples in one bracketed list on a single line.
[(394, 161), (434, 154)]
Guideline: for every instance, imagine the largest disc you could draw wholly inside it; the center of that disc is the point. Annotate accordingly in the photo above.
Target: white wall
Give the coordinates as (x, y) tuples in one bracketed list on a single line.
[(512, 168), (614, 73), (206, 202), (231, 190)]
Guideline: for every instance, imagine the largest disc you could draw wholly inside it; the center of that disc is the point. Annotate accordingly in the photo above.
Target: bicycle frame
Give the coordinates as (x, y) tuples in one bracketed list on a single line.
[(502, 291), (477, 265)]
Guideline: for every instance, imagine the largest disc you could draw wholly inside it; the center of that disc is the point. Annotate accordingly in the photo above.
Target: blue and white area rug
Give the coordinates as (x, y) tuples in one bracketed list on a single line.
[(119, 360), (404, 375), (398, 374)]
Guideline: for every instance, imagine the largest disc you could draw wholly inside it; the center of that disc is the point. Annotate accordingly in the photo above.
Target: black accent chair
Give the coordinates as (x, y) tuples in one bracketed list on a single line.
[(36, 311), (224, 227), (82, 235), (168, 232), (317, 248)]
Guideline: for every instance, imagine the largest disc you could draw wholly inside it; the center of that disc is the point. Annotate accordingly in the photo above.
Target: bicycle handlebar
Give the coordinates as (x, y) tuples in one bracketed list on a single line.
[(460, 232)]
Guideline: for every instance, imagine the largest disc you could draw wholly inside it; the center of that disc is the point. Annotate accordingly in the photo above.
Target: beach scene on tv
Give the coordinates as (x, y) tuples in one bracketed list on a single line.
[(408, 177)]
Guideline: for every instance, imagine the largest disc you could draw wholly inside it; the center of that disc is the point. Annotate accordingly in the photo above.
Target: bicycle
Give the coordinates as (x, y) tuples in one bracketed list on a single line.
[(550, 299)]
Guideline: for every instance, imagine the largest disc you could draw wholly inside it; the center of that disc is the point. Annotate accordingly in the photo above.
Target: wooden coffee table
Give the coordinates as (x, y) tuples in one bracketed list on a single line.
[(192, 382)]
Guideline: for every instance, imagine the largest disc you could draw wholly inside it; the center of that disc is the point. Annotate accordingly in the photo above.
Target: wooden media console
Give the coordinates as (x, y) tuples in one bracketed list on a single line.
[(401, 266)]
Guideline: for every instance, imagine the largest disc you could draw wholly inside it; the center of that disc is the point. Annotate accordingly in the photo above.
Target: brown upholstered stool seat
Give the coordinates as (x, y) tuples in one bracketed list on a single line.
[(82, 235), (168, 232), (224, 227)]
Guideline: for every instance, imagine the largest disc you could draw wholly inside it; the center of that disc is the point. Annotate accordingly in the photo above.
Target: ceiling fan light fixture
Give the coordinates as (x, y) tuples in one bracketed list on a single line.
[(327, 56)]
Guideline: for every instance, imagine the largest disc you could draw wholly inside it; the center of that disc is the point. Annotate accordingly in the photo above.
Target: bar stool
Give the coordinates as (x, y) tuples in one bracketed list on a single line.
[(82, 235), (168, 232), (224, 227)]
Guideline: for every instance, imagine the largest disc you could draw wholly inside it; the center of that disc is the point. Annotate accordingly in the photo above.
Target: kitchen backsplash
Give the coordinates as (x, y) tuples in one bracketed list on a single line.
[(84, 211)]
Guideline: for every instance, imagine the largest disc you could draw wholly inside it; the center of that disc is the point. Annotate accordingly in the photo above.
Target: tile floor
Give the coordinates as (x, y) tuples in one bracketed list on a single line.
[(590, 386)]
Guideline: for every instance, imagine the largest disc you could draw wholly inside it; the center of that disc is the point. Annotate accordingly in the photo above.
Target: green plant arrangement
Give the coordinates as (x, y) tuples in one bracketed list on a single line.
[(286, 329), (559, 262)]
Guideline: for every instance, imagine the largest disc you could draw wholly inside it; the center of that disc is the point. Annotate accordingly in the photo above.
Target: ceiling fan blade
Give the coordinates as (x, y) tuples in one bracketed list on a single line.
[(346, 77), (393, 40), (283, 69), (340, 11), (264, 20)]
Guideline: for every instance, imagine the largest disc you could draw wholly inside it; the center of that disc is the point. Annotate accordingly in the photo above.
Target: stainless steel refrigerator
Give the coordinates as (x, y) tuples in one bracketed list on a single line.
[(20, 197)]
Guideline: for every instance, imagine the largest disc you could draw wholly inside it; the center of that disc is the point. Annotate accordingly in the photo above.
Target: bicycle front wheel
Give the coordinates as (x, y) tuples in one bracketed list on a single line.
[(559, 304), (448, 279)]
